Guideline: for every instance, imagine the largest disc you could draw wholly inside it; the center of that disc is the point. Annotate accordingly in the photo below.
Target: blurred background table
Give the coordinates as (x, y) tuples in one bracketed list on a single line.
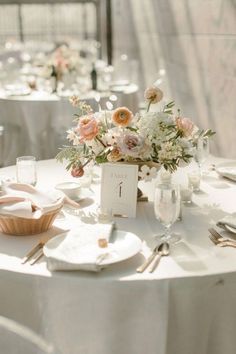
[(36, 81), (36, 124)]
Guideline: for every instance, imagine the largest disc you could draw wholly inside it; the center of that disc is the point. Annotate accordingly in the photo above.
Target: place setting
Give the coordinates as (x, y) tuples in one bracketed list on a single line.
[(27, 210)]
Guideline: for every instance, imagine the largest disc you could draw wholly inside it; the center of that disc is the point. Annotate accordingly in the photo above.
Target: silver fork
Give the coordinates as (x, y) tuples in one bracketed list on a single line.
[(220, 241), (219, 237)]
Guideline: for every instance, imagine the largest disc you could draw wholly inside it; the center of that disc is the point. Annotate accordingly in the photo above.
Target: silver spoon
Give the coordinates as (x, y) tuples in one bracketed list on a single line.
[(163, 250)]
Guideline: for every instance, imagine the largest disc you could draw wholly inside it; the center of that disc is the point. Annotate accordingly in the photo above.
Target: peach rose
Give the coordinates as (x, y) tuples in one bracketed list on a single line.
[(122, 116), (184, 125), (77, 171), (153, 94), (87, 128), (114, 155)]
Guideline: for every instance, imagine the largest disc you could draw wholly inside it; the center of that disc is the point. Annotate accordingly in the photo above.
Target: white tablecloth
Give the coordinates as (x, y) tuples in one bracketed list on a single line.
[(187, 306), (36, 124)]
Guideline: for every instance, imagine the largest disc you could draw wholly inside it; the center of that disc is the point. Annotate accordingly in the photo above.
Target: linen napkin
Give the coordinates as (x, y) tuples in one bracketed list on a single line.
[(79, 249), (24, 200), (228, 172), (229, 220)]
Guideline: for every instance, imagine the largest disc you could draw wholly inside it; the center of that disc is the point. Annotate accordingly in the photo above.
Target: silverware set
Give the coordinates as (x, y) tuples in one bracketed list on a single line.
[(35, 254), (219, 240), (164, 250), (153, 260)]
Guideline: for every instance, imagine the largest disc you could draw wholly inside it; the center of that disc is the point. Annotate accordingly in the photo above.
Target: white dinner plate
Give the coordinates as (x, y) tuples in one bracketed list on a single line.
[(227, 169), (17, 90), (125, 246), (119, 83)]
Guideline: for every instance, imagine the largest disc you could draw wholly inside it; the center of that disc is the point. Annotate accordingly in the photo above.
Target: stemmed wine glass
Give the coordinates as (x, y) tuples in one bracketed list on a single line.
[(202, 151), (167, 209)]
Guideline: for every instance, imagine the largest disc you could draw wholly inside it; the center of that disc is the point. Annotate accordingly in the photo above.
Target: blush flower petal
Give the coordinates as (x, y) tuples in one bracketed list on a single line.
[(87, 128), (185, 126), (153, 94)]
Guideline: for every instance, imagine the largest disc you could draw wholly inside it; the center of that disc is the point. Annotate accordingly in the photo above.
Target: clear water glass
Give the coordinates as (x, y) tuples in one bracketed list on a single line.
[(167, 208), (26, 170), (202, 151)]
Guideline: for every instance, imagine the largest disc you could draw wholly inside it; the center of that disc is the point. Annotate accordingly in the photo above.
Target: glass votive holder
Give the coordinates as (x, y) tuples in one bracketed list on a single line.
[(194, 180), (186, 194), (26, 170), (104, 215)]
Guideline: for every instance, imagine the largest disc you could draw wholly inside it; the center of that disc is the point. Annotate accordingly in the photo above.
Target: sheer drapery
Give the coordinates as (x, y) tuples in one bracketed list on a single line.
[(188, 46)]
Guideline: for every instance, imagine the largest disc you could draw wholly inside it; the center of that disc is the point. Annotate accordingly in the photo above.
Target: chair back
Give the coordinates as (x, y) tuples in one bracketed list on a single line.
[(18, 339)]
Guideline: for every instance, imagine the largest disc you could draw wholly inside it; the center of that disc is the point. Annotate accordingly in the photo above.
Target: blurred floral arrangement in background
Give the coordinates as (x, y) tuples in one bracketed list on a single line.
[(61, 62), (150, 139)]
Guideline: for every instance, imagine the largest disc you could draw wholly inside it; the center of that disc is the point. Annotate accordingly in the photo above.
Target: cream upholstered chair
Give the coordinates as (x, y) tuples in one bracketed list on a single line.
[(18, 339)]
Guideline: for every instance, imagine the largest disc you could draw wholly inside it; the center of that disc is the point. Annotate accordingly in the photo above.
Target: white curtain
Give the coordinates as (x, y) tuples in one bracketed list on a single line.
[(189, 46)]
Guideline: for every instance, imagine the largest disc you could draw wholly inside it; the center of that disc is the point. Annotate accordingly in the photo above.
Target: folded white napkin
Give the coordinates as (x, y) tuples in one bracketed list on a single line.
[(228, 172), (24, 200), (79, 249), (229, 220)]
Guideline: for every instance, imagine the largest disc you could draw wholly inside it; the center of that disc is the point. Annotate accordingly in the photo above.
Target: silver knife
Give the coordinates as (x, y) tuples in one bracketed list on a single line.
[(147, 261)]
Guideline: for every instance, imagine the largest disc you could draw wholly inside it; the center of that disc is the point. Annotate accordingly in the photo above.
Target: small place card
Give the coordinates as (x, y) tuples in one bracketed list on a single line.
[(119, 189)]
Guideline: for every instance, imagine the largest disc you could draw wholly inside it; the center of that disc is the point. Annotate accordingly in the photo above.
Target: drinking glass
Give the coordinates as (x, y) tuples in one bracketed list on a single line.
[(167, 208), (194, 179), (26, 170), (202, 151)]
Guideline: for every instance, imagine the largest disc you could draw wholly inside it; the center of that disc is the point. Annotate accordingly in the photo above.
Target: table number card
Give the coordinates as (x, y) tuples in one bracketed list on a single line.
[(119, 189)]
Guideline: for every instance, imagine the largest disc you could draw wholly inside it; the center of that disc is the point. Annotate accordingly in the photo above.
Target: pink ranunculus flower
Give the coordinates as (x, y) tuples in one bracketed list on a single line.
[(87, 128), (184, 125), (77, 171)]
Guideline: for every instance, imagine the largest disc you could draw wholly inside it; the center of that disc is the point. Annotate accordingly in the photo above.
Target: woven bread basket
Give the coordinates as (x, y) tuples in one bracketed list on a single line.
[(17, 226)]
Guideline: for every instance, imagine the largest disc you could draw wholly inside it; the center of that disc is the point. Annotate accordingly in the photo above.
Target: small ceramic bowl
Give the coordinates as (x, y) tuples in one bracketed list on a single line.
[(71, 189)]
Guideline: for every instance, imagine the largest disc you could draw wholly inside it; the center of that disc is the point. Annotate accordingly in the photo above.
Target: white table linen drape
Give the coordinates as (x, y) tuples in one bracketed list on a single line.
[(186, 306)]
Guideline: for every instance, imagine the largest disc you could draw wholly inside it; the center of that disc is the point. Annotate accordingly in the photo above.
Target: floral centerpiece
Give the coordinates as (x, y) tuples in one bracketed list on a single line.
[(149, 139)]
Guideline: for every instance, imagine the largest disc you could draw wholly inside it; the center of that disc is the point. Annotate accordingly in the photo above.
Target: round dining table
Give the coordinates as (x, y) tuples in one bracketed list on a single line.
[(36, 123), (186, 306)]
